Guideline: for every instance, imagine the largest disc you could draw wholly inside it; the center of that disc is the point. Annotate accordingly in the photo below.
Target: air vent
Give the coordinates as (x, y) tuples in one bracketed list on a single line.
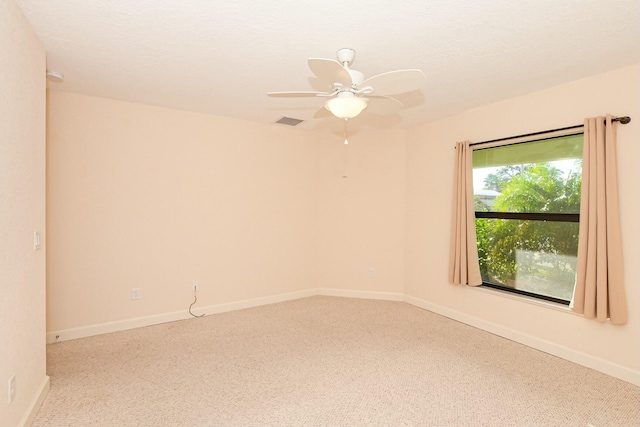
[(289, 121)]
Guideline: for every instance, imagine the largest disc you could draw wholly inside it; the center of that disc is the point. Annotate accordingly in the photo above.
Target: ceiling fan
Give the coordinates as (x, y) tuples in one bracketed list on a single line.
[(350, 93)]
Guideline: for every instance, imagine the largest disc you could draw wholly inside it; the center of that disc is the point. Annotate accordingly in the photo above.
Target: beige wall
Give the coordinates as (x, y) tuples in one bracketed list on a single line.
[(430, 157), (141, 196), (22, 211), (361, 217), (154, 198)]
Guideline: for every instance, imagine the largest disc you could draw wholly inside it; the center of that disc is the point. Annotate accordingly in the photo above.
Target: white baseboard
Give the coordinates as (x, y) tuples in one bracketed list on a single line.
[(386, 296), (138, 322), (566, 353), (617, 371), (256, 302), (36, 403)]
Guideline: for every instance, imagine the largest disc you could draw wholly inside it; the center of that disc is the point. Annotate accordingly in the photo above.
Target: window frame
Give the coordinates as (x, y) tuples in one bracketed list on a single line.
[(527, 216)]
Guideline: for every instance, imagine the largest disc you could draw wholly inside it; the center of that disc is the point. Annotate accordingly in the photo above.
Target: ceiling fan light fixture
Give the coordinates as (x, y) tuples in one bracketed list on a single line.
[(346, 107), (350, 89)]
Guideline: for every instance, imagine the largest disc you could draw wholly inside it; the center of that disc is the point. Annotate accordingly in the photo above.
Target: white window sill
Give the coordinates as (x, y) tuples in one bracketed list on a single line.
[(526, 299)]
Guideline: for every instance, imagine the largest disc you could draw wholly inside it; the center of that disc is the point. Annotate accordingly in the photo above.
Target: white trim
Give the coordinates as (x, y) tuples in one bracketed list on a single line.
[(566, 353), (345, 293), (524, 298), (36, 403), (138, 322), (256, 302), (563, 352)]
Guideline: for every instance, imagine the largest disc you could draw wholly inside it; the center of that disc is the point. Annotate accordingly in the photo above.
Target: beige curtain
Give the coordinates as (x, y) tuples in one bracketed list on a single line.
[(464, 268), (599, 292)]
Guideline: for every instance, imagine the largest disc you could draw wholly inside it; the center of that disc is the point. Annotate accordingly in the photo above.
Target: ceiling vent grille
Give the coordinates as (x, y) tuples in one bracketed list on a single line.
[(289, 121)]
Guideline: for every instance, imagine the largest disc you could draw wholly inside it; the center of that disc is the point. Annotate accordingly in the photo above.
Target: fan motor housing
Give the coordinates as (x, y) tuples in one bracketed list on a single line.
[(356, 77)]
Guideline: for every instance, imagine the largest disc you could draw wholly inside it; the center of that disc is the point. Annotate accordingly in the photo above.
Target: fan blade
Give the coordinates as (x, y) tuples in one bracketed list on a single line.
[(383, 105), (393, 82), (329, 71), (297, 94)]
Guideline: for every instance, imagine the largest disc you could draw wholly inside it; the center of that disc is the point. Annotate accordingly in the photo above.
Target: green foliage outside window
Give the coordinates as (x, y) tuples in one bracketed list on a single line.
[(543, 247)]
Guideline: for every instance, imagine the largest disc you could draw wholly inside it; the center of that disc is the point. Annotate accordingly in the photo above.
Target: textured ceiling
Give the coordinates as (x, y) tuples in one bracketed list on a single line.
[(221, 57)]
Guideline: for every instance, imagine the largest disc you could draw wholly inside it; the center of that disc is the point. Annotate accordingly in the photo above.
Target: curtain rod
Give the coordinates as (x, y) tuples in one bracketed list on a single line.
[(623, 120)]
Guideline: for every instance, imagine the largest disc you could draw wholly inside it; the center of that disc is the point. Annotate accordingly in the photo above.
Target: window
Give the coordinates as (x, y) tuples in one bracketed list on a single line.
[(527, 203)]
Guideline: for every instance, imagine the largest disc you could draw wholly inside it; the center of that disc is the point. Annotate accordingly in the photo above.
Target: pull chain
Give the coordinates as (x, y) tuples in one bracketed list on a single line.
[(346, 120), (346, 143)]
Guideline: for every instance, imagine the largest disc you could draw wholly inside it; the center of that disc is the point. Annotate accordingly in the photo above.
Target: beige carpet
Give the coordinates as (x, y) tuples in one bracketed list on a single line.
[(324, 361)]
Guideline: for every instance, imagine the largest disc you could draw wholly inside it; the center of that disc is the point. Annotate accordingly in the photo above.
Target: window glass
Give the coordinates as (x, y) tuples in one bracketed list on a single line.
[(527, 202), (533, 256)]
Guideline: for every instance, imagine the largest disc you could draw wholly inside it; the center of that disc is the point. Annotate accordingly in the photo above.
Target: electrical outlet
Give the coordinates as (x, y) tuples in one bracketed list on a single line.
[(135, 293), (195, 286), (372, 272), (12, 388)]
